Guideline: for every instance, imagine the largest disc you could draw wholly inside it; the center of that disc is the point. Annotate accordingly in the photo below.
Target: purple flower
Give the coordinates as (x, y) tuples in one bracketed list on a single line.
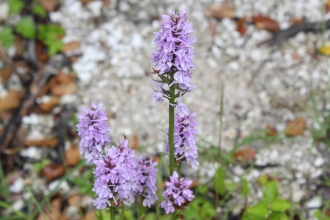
[(177, 194), (147, 174), (175, 49), (158, 94), (93, 130), (184, 136), (119, 177), (116, 179)]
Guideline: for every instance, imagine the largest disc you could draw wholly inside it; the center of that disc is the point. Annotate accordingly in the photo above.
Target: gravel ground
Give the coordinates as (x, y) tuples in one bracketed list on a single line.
[(262, 85)]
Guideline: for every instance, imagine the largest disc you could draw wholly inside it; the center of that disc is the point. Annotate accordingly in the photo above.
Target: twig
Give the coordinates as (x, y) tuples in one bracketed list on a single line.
[(283, 35), (28, 101)]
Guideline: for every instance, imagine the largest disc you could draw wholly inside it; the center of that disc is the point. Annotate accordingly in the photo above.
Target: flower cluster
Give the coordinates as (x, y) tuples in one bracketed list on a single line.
[(119, 174), (174, 54), (177, 194), (115, 176), (93, 130), (184, 136), (147, 180)]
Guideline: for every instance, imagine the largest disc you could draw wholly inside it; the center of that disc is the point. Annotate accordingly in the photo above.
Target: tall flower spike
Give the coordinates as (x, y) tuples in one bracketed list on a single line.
[(93, 130), (184, 135), (177, 194), (175, 51)]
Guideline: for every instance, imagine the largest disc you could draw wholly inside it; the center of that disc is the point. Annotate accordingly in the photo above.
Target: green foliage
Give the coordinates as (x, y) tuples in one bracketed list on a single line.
[(40, 165), (219, 184), (50, 35), (6, 36), (199, 208), (280, 205), (270, 192), (15, 6), (85, 183), (270, 208), (245, 187), (320, 215), (37, 9), (26, 28)]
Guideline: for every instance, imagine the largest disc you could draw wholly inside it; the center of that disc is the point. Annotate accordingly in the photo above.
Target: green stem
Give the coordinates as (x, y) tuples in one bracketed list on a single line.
[(179, 169), (171, 129), (112, 213)]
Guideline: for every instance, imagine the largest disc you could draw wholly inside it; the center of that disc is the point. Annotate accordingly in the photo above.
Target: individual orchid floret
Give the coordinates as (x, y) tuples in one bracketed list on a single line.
[(175, 52), (184, 136), (116, 179), (147, 174), (177, 194), (93, 130)]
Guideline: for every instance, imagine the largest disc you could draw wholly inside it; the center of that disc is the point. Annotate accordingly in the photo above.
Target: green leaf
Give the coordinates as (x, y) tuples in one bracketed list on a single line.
[(270, 192), (202, 189), (280, 205), (54, 47), (26, 28), (15, 6), (50, 35), (208, 211), (37, 9), (278, 216), (245, 187), (6, 36), (40, 165), (321, 216), (260, 210), (219, 181)]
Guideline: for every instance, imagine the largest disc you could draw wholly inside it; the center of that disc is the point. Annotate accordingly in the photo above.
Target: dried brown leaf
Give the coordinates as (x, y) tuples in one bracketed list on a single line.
[(85, 1), (5, 73), (241, 28), (213, 29), (90, 216), (62, 89), (11, 100), (264, 22), (271, 131), (50, 105), (297, 57), (296, 21), (72, 156), (313, 55), (220, 11), (52, 171), (19, 46), (245, 155), (49, 5), (41, 51), (75, 200), (134, 142), (295, 127), (53, 212), (71, 46), (45, 142)]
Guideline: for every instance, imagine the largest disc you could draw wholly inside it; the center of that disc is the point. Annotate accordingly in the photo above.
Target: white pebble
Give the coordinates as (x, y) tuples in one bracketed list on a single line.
[(17, 186), (314, 203), (318, 162)]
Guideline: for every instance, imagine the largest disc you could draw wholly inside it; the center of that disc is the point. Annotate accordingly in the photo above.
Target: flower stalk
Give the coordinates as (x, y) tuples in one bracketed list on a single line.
[(112, 213), (171, 128)]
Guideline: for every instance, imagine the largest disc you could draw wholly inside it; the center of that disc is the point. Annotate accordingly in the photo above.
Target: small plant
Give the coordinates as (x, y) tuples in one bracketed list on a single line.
[(15, 6), (7, 36), (26, 27), (51, 35), (271, 207)]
